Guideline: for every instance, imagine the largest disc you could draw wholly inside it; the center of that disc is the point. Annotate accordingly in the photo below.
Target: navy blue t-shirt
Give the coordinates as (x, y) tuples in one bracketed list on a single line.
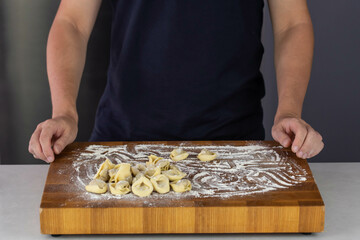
[(183, 70)]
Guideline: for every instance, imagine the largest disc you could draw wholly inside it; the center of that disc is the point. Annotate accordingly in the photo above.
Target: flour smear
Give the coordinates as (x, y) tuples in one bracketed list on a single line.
[(238, 170)]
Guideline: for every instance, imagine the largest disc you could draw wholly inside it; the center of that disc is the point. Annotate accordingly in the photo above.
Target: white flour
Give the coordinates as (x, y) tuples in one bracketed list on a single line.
[(238, 171)]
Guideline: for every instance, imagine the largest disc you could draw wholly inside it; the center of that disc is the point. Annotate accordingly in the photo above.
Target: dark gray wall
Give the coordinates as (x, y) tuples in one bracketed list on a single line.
[(330, 105), (25, 95), (332, 101)]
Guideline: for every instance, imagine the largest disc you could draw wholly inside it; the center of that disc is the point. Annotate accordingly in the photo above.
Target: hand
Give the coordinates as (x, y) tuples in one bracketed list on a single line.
[(292, 131), (52, 136)]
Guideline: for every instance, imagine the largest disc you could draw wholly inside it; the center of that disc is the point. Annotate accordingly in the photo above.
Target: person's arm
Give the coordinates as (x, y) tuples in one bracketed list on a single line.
[(293, 53), (66, 51)]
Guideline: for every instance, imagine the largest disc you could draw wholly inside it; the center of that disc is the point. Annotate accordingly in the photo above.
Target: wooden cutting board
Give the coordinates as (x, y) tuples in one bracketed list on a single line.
[(264, 189)]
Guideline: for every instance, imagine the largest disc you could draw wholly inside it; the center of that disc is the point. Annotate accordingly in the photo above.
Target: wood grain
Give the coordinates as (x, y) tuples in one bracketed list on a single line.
[(298, 208)]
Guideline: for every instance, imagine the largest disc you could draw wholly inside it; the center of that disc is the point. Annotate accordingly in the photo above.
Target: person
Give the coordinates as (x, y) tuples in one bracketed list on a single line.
[(181, 70)]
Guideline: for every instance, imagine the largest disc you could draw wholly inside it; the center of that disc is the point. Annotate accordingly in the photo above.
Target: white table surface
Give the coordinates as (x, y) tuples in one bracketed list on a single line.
[(21, 188)]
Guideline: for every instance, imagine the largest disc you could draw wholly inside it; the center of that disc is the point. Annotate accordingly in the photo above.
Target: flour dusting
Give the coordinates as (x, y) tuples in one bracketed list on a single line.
[(238, 170)]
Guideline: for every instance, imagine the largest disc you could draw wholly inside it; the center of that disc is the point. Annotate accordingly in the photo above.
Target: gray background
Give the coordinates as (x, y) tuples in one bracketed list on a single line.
[(330, 105)]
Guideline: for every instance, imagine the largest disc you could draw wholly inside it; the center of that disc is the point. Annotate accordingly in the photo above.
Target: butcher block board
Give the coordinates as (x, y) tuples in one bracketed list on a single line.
[(253, 187)]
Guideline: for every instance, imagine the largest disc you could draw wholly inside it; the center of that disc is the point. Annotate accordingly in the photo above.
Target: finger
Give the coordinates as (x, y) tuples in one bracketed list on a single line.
[(300, 131), (318, 150), (45, 141), (34, 145), (60, 143), (311, 145), (280, 136), (32, 140)]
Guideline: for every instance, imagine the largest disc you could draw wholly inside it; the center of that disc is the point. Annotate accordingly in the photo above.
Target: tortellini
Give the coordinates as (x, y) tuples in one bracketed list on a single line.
[(174, 167), (174, 174), (137, 177), (163, 164), (178, 154), (160, 183), (138, 168), (102, 173), (120, 188), (182, 185), (152, 171), (153, 159), (112, 173), (123, 173), (142, 187), (142, 178), (97, 186), (206, 155)]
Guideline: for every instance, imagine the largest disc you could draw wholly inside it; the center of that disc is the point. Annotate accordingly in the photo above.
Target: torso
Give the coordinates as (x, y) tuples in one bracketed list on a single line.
[(183, 70)]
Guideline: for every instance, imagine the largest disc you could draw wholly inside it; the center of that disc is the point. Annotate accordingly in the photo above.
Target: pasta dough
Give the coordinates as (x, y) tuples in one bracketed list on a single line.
[(174, 174), (182, 185), (163, 164), (102, 173), (152, 171), (153, 159), (205, 155), (97, 186), (174, 167), (178, 154), (160, 183), (142, 187), (139, 168), (112, 173), (123, 173), (143, 178), (137, 177), (120, 188)]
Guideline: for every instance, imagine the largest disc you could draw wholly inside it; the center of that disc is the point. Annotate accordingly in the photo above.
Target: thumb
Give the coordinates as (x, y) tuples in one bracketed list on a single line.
[(279, 135), (60, 144)]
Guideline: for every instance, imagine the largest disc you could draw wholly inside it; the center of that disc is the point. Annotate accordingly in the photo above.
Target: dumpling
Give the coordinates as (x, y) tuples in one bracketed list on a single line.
[(120, 188), (139, 175), (182, 185), (178, 154), (102, 173), (205, 155), (142, 187), (152, 171), (163, 164), (112, 173), (174, 167), (97, 186), (160, 183), (153, 159), (138, 168), (123, 173), (174, 174), (134, 170)]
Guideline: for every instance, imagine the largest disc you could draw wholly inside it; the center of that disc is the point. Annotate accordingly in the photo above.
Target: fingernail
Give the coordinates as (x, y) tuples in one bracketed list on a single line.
[(285, 143), (295, 148), (304, 156), (50, 159), (301, 154)]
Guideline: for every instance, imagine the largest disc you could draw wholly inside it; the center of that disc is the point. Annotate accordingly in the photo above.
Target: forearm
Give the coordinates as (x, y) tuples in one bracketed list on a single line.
[(293, 60), (294, 44), (66, 51)]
